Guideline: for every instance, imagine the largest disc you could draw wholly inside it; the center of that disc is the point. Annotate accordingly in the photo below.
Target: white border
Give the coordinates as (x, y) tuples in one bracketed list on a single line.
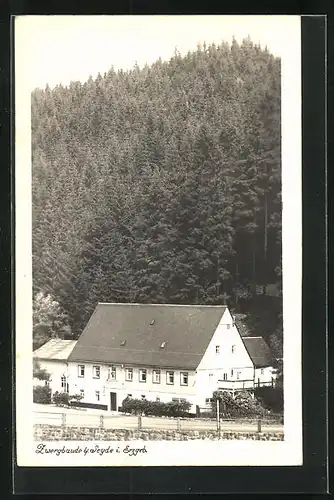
[(200, 453)]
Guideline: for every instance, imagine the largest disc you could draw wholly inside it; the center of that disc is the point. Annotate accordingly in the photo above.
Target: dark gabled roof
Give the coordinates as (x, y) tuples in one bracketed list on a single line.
[(186, 331), (258, 351)]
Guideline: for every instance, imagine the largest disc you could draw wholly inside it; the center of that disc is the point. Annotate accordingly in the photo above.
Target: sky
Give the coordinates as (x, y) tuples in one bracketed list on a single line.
[(61, 49)]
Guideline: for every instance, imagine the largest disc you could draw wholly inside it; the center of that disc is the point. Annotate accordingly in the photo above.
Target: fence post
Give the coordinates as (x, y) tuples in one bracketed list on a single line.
[(178, 425), (139, 422), (101, 422), (259, 425), (63, 419)]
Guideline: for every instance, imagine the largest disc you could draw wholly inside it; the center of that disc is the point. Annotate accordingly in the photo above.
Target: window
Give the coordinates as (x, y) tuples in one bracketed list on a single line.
[(82, 393), (129, 374), (208, 400), (143, 396), (238, 375), (184, 378), (170, 378), (175, 400), (231, 373), (96, 372), (142, 375), (157, 399), (63, 382), (225, 376), (233, 348), (156, 376), (129, 395), (210, 375), (262, 371), (81, 370), (112, 373), (217, 349), (228, 326), (97, 395)]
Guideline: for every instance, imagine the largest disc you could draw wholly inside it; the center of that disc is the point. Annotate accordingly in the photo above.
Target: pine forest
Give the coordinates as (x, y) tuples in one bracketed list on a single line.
[(160, 184)]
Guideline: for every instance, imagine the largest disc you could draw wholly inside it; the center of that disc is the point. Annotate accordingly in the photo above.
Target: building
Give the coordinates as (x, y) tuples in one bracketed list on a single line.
[(260, 354), (53, 357), (158, 352)]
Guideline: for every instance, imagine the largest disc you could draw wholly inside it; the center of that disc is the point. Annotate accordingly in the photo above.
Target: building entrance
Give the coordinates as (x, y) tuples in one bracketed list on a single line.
[(113, 401)]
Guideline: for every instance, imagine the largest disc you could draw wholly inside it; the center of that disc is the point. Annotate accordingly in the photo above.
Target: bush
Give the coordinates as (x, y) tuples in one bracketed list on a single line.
[(40, 373), (61, 398), (241, 405), (271, 398), (64, 399), (74, 398), (156, 408), (42, 394)]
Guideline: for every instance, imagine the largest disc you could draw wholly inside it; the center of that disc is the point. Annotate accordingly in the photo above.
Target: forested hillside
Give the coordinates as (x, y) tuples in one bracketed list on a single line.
[(160, 184)]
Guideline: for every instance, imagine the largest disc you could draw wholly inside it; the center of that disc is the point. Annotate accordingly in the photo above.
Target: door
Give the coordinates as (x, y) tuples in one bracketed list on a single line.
[(113, 402)]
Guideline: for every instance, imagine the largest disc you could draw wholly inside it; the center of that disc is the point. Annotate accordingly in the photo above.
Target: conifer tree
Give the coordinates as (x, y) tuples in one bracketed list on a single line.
[(160, 184)]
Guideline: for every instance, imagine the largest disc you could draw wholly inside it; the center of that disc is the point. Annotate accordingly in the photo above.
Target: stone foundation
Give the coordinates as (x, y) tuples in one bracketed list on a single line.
[(43, 432)]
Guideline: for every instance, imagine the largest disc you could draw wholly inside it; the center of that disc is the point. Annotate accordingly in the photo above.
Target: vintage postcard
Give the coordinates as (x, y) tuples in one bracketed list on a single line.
[(158, 240)]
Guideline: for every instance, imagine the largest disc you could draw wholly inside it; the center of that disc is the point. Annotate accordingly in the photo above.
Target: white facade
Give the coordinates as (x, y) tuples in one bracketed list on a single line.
[(226, 363), (265, 376), (110, 384), (52, 357), (58, 371)]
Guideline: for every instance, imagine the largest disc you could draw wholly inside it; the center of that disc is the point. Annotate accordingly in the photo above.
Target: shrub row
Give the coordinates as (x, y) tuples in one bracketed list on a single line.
[(65, 399), (241, 405), (156, 408), (42, 394)]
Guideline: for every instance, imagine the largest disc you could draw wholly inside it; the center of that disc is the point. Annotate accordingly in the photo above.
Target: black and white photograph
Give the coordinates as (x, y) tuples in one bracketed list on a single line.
[(158, 230)]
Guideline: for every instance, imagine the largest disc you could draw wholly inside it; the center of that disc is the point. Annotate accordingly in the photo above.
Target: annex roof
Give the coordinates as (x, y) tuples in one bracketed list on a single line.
[(258, 350), (55, 349), (241, 325), (173, 336)]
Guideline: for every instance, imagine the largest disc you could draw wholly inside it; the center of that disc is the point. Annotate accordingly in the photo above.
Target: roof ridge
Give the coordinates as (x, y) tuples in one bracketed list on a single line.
[(105, 348), (188, 328), (252, 337), (164, 305)]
